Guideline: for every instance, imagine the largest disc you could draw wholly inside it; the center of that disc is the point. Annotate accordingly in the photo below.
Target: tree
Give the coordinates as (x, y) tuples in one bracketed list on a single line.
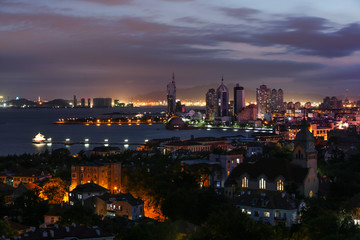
[(54, 191), (6, 230), (79, 215), (151, 231), (229, 223)]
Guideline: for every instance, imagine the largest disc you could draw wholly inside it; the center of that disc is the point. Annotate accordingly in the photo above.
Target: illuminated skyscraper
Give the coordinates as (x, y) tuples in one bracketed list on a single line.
[(171, 96), (222, 95), (211, 105), (239, 99), (263, 100)]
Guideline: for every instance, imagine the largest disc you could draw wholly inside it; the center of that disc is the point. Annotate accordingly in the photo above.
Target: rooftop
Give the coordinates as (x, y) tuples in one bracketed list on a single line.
[(90, 187)]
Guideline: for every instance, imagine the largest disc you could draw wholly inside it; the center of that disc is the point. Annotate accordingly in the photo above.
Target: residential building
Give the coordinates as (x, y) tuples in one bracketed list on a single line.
[(123, 204), (84, 191), (107, 175), (263, 101), (249, 113), (202, 144), (228, 162), (274, 174), (269, 207)]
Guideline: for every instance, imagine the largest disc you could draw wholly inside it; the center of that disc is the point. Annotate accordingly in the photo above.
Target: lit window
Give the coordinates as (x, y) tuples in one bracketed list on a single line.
[(79, 196), (266, 214), (262, 183), (237, 160), (245, 182), (280, 185), (311, 193), (71, 203), (228, 173)]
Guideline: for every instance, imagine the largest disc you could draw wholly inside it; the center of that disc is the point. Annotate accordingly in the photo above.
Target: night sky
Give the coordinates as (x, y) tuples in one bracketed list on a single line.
[(126, 48)]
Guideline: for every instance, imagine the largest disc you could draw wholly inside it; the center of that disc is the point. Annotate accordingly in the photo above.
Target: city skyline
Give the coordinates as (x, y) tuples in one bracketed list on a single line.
[(123, 49)]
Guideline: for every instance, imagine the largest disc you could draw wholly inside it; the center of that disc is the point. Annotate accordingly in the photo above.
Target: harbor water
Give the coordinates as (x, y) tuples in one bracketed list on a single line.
[(19, 126)]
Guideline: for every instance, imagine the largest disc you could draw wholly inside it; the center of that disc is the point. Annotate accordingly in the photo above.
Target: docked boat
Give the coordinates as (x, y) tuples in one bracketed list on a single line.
[(39, 139)]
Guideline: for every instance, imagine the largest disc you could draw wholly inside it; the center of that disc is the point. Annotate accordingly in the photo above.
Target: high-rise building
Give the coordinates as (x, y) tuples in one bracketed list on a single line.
[(280, 100), (89, 102), (290, 105), (331, 103), (171, 96), (273, 100), (75, 101), (102, 102), (263, 100), (277, 100), (82, 102), (211, 104), (222, 95), (239, 99)]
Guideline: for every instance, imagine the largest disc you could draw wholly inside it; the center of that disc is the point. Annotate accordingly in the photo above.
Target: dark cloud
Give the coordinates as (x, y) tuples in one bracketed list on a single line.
[(109, 2), (301, 35), (124, 55), (240, 13), (343, 42)]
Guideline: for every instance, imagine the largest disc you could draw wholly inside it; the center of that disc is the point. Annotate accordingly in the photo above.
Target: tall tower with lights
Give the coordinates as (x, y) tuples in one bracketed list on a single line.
[(171, 96)]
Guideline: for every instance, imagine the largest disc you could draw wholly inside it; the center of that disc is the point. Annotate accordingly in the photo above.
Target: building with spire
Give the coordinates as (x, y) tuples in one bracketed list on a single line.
[(171, 96), (222, 95), (275, 175)]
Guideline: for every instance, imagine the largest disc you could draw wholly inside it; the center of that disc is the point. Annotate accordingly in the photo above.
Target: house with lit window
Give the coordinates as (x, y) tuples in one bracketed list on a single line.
[(228, 162), (122, 204), (269, 207), (84, 191), (299, 175), (22, 175)]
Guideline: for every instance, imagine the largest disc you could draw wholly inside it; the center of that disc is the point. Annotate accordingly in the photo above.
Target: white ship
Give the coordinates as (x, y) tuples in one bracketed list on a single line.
[(39, 138)]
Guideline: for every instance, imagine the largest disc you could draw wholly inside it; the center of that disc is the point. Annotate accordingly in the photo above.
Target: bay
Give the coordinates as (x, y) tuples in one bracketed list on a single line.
[(19, 126)]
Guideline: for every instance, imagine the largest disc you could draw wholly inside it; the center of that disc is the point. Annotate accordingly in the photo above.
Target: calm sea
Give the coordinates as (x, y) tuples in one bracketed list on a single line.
[(19, 126)]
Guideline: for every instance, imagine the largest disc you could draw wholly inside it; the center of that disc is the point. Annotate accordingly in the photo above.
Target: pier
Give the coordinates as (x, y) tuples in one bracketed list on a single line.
[(86, 141)]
